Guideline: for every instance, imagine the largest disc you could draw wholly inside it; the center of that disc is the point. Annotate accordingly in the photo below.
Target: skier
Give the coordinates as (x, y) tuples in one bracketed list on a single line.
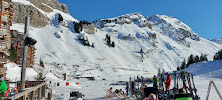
[(109, 91), (155, 81), (117, 91), (132, 88), (127, 88), (121, 91), (3, 87), (168, 81)]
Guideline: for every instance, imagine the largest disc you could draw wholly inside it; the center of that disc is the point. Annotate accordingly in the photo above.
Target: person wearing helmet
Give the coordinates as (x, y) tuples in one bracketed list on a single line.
[(155, 82)]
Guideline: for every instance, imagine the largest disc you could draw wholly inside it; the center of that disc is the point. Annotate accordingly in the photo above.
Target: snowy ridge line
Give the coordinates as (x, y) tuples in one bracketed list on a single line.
[(219, 41)]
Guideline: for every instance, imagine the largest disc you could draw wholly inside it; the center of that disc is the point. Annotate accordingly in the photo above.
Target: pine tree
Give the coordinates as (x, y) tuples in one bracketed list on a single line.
[(13, 54), (218, 55), (40, 77), (113, 44), (108, 40), (87, 43), (203, 57), (93, 45), (197, 59), (41, 62), (215, 57), (84, 42), (106, 37), (183, 64), (190, 60), (78, 27), (60, 18)]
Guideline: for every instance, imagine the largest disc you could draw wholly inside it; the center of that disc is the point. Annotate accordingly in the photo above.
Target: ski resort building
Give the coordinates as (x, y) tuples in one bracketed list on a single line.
[(18, 44), (5, 36)]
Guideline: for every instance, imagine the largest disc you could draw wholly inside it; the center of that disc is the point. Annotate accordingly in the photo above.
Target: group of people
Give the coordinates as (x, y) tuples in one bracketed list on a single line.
[(118, 91), (167, 82), (155, 85)]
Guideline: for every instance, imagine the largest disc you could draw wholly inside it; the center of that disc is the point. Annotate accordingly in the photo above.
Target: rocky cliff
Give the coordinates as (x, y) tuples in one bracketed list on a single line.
[(36, 9)]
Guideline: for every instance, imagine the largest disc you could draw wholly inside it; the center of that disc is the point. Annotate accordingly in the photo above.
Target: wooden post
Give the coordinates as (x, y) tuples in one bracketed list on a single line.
[(138, 82), (43, 90), (49, 96), (33, 95), (24, 54), (39, 93), (142, 86)]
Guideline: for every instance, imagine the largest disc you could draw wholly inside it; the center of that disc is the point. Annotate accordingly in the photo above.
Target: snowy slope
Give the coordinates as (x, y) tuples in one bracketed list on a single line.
[(204, 72), (67, 54), (210, 69), (219, 41)]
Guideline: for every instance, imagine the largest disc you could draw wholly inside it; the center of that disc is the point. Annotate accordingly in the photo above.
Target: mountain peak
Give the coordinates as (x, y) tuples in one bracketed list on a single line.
[(162, 24)]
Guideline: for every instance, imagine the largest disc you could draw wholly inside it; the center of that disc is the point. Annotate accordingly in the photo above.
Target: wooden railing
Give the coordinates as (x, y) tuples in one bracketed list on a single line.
[(31, 93), (209, 87)]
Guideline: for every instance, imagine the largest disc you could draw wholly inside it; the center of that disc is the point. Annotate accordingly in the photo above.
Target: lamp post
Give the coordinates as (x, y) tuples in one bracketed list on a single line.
[(24, 54)]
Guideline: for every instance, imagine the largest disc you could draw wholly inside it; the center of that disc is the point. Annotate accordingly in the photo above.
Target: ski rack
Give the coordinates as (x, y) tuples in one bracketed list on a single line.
[(188, 83), (209, 87)]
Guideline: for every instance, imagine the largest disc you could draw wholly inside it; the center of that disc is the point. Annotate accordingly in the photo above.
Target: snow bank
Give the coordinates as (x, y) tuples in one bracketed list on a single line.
[(14, 72), (210, 69)]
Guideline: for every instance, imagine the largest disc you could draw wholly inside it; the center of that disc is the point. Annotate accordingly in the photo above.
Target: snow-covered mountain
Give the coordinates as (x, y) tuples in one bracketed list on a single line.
[(219, 41), (165, 42)]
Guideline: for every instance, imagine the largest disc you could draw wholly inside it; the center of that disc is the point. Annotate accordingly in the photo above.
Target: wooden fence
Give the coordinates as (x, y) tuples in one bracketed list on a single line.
[(31, 93)]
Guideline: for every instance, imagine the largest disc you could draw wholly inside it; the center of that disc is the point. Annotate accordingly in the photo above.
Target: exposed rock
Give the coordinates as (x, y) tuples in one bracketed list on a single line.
[(37, 18), (88, 28), (52, 3)]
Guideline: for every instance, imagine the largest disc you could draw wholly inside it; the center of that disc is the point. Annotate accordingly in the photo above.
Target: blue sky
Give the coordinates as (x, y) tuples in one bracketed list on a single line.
[(203, 16)]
